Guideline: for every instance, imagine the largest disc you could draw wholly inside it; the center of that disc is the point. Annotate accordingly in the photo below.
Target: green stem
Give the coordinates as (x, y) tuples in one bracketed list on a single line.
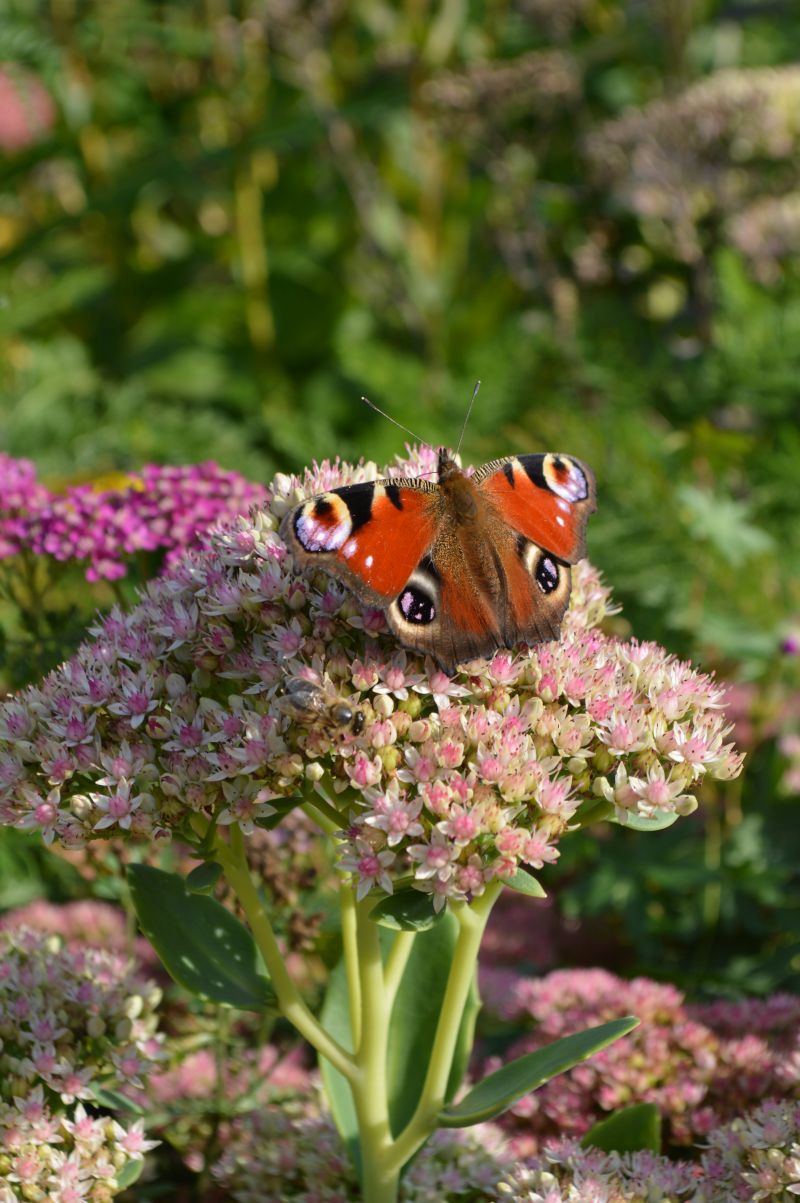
[(379, 1179), (349, 916), (396, 963), (234, 863), (472, 921)]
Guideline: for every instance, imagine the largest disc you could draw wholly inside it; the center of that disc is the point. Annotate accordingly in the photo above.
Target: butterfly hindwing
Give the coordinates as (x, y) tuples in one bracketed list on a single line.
[(547, 498), (370, 535)]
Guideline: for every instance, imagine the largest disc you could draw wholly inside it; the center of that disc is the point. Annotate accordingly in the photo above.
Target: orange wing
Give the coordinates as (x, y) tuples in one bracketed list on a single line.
[(547, 498), (371, 536)]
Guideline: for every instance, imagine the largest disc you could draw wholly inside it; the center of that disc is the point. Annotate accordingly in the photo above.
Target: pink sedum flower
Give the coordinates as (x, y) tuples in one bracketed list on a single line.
[(73, 1020)]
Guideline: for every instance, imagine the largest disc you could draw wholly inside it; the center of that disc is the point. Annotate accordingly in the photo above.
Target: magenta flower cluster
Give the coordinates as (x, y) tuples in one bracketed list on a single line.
[(701, 1065), (72, 1021), (177, 709), (160, 508)]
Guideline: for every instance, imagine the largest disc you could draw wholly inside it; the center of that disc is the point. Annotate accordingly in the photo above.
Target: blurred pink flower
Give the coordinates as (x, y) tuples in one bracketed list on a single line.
[(27, 111)]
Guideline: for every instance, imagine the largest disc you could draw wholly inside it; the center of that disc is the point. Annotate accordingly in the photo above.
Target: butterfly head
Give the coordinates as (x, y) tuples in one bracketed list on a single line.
[(457, 487), (448, 468)]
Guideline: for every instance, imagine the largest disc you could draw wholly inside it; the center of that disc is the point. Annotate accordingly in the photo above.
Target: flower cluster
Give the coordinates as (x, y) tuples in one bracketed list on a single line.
[(179, 708), (21, 495), (678, 162), (754, 1159), (160, 508), (767, 233), (494, 93), (293, 1153), (72, 1022), (701, 1065)]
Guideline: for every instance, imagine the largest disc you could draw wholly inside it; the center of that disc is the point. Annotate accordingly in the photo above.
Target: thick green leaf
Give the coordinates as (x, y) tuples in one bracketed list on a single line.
[(130, 1172), (499, 1090), (414, 1018), (203, 878), (593, 810), (656, 822), (203, 947), (283, 806), (114, 1101), (525, 883), (630, 1130), (407, 910)]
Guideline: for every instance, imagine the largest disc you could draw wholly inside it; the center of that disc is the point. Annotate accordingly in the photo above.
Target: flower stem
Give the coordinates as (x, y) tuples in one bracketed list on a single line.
[(472, 920), (379, 1179), (349, 917), (237, 872)]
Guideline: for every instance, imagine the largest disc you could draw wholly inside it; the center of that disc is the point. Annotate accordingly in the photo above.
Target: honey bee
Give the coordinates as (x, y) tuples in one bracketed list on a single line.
[(320, 705)]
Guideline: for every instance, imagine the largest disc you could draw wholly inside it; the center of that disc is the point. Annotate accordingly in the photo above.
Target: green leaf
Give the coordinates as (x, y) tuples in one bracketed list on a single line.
[(203, 878), (408, 910), (282, 808), (414, 1019), (499, 1090), (630, 1130), (593, 810), (655, 822), (202, 946), (114, 1101), (525, 883), (129, 1172)]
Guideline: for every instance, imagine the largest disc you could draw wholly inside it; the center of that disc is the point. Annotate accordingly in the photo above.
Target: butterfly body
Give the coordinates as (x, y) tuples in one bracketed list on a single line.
[(462, 566)]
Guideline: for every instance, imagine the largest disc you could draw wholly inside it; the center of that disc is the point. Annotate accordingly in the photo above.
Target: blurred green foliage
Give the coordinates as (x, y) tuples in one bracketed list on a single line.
[(246, 215)]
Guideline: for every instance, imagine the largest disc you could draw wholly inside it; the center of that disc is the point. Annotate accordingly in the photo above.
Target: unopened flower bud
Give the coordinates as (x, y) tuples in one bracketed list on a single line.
[(391, 758), (123, 1030), (383, 705), (314, 771), (81, 806), (175, 685), (134, 1004), (95, 1027)]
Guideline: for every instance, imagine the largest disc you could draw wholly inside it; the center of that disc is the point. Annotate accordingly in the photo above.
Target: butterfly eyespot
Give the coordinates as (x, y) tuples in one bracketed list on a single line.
[(546, 574), (324, 524), (565, 478), (416, 606)]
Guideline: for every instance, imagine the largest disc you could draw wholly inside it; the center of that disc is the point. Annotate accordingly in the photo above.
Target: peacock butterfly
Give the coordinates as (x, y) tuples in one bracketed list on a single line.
[(462, 566)]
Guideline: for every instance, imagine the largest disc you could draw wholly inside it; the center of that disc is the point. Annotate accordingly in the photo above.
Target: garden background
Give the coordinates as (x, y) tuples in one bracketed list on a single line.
[(220, 225)]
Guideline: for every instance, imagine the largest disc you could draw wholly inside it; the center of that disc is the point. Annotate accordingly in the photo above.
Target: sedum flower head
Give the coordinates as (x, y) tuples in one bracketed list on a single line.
[(753, 1159), (179, 708), (700, 1064), (72, 1020), (704, 154), (293, 1154)]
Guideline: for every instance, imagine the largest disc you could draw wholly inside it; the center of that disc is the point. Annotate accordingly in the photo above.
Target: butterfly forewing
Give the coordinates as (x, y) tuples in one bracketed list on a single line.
[(546, 498), (371, 535)]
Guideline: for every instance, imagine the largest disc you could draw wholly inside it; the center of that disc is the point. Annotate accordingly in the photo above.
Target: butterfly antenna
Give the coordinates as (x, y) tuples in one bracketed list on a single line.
[(394, 421), (469, 411)]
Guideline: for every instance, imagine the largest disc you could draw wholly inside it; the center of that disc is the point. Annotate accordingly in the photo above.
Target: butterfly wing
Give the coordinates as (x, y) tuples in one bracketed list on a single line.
[(372, 536), (540, 505), (546, 498)]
